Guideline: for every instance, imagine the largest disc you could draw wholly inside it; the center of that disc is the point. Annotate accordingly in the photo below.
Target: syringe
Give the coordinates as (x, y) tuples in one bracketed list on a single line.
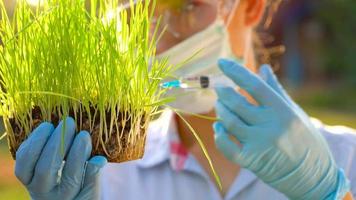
[(200, 82)]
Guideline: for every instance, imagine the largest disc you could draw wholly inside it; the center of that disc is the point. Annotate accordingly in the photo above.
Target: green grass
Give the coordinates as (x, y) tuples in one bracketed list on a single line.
[(62, 58)]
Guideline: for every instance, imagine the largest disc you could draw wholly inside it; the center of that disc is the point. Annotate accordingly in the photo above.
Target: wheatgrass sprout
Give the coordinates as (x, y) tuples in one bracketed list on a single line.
[(59, 59)]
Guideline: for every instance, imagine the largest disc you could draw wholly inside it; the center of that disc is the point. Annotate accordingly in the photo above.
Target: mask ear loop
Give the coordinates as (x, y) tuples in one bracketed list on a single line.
[(229, 20), (167, 17), (231, 14)]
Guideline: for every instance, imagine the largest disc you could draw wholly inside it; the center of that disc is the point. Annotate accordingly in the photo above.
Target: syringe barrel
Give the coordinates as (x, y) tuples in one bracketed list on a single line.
[(200, 82), (214, 81)]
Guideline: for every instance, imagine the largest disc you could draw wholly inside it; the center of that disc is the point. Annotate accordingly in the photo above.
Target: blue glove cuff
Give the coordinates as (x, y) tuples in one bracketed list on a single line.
[(343, 187)]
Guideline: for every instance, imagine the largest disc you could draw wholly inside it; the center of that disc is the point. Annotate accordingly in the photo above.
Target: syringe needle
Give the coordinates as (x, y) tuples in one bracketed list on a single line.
[(200, 82)]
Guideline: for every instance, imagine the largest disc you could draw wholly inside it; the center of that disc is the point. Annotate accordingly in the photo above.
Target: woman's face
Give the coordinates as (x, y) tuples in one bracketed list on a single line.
[(180, 19)]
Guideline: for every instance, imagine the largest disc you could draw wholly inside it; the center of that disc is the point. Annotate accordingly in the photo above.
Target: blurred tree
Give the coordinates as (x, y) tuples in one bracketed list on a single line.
[(338, 17)]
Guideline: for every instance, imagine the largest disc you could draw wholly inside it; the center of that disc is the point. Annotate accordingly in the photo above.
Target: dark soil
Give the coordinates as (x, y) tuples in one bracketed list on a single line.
[(117, 151)]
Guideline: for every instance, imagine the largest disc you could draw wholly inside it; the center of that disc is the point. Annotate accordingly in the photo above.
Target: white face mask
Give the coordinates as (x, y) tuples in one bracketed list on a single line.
[(211, 44)]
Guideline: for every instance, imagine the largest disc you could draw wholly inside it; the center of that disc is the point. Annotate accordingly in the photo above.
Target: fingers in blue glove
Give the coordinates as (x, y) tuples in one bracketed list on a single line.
[(248, 81), (95, 164), (267, 74), (74, 168), (50, 162), (223, 142), (233, 124), (32, 147), (91, 180), (239, 105)]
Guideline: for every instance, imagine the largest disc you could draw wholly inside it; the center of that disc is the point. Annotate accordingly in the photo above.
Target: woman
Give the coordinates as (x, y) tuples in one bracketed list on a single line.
[(263, 146)]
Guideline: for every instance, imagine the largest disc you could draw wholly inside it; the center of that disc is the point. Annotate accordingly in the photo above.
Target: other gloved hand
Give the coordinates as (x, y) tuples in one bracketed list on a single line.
[(277, 140), (39, 164)]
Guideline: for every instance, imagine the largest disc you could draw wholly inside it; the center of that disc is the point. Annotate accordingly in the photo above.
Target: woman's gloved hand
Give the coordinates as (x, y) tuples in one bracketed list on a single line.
[(40, 166), (277, 140)]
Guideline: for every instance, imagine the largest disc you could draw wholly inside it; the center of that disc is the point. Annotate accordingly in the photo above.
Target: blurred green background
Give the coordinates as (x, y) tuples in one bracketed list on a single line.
[(318, 67)]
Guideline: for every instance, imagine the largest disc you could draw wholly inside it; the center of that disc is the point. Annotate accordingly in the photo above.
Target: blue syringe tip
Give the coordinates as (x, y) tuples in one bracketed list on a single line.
[(171, 84)]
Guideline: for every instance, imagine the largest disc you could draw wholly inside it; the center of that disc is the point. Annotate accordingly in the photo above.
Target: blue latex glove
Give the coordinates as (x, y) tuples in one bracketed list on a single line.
[(39, 164), (277, 140)]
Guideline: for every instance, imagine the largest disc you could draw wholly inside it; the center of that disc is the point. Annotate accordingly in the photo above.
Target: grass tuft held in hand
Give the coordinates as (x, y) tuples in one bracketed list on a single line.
[(96, 65)]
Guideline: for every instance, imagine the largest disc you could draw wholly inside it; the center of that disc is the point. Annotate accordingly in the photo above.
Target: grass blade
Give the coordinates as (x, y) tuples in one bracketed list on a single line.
[(202, 146)]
